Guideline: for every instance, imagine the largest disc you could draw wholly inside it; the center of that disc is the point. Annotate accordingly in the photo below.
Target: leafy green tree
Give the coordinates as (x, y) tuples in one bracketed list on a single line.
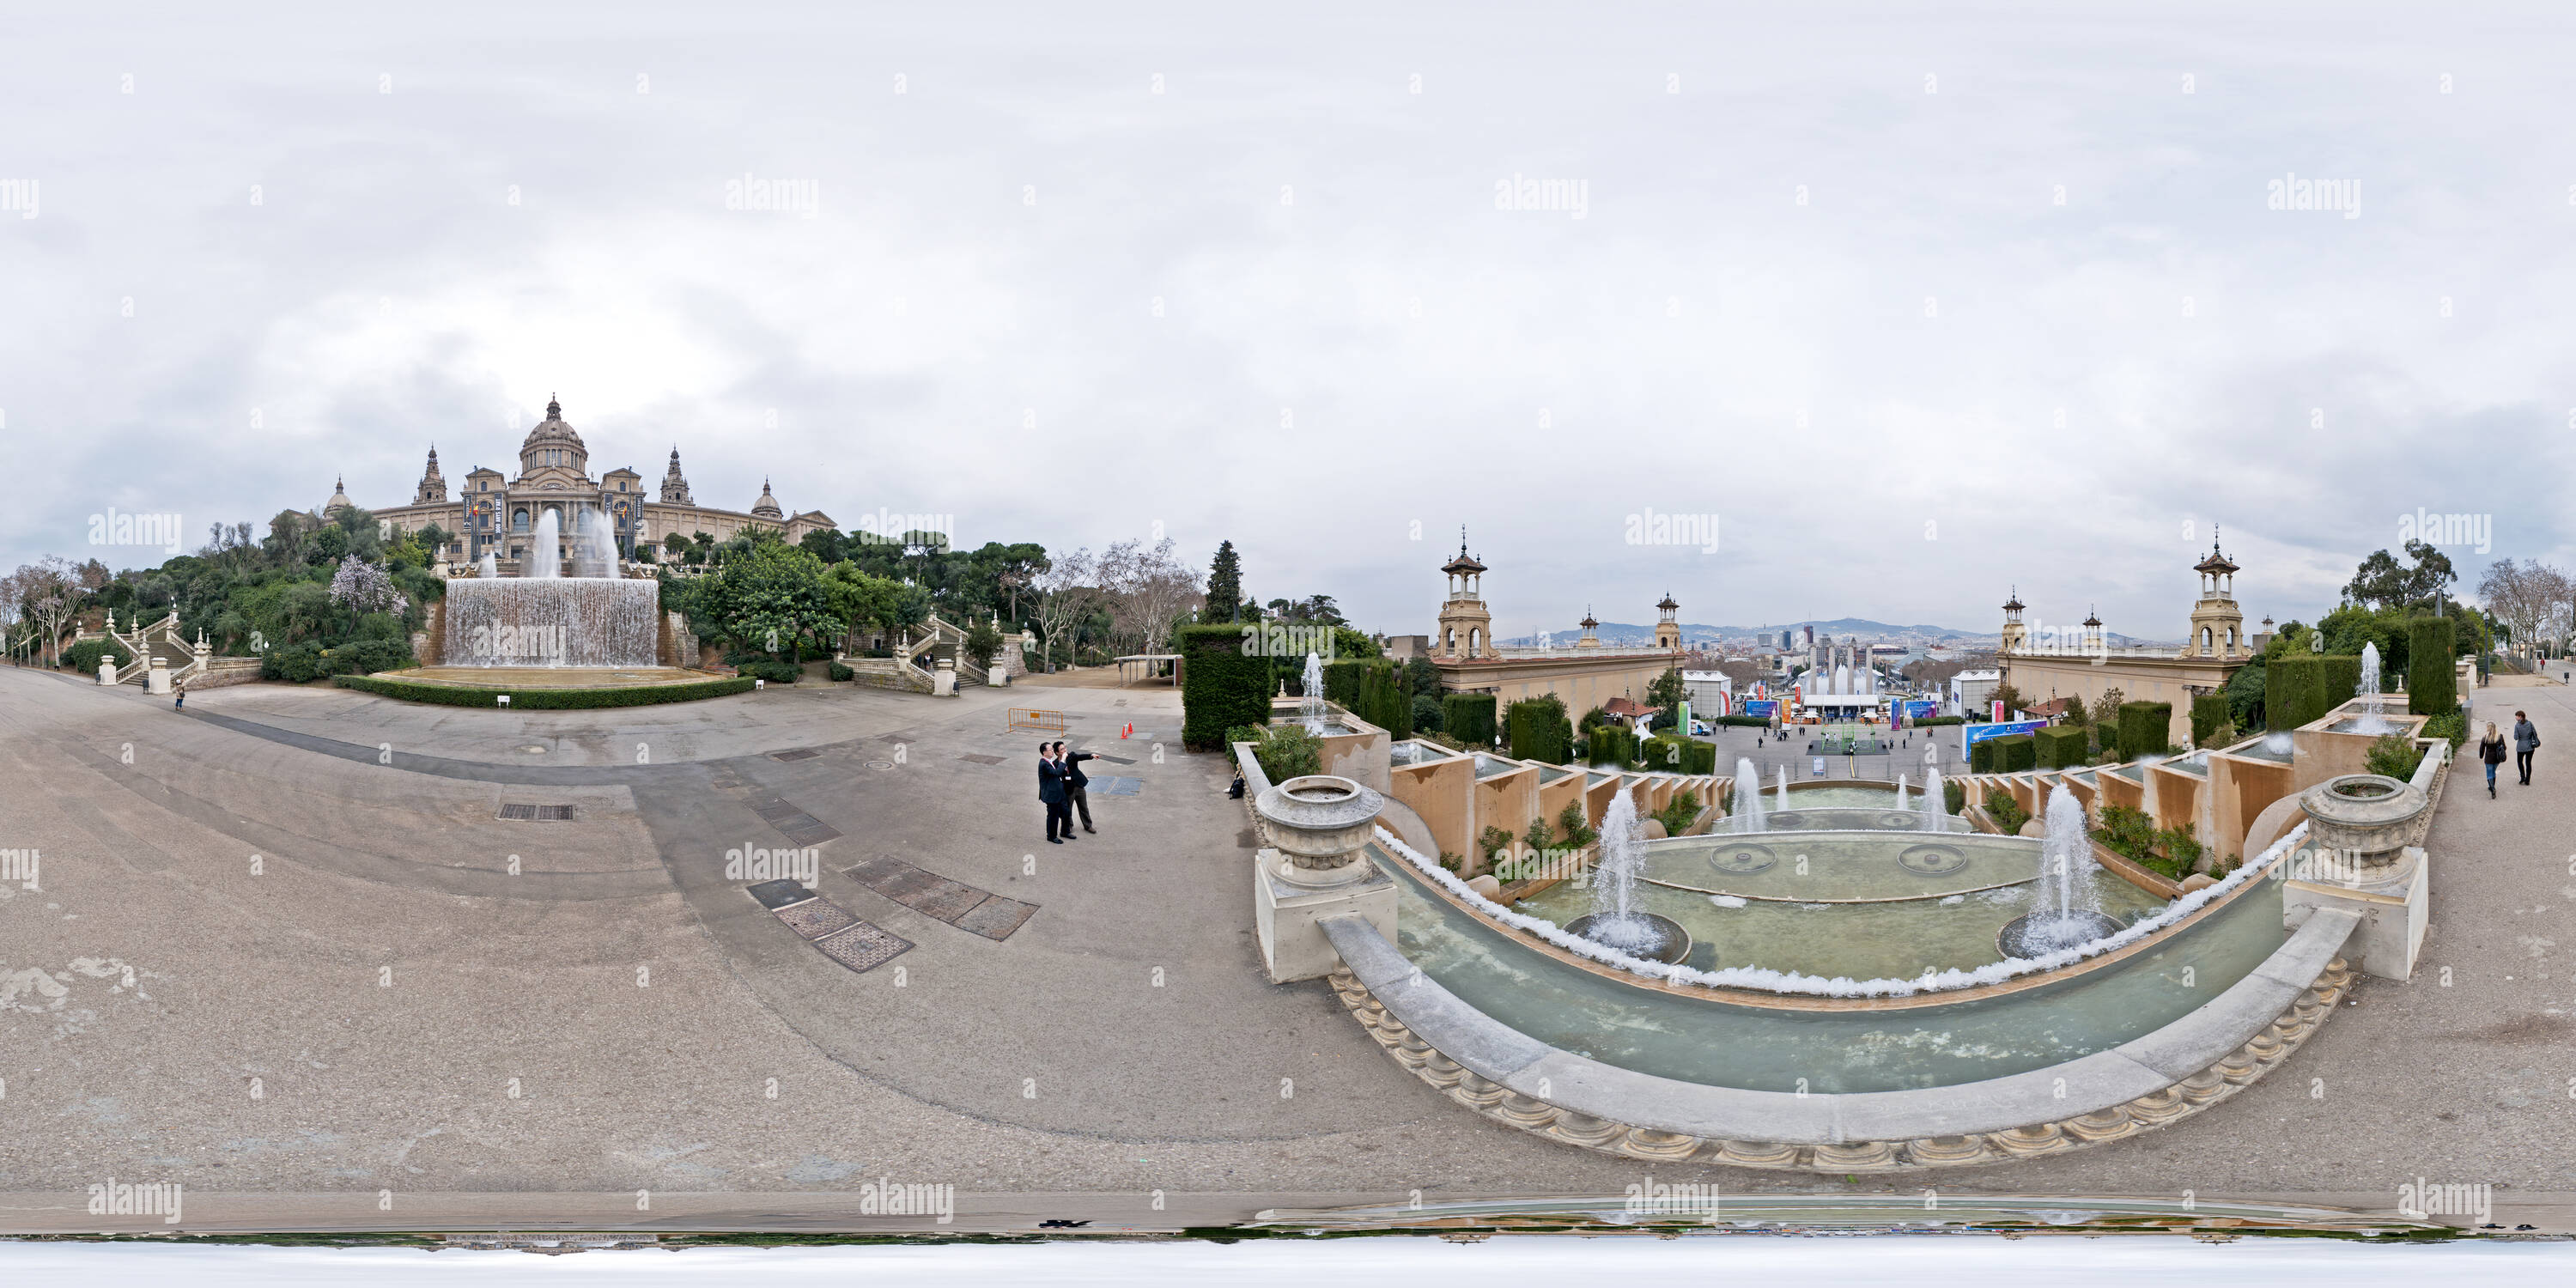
[(2382, 582), (1668, 691), (772, 597)]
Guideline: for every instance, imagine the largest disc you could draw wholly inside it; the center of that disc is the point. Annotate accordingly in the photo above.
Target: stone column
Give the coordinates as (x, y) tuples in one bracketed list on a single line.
[(1318, 825), (107, 668), (2355, 858), (943, 682), (156, 676)]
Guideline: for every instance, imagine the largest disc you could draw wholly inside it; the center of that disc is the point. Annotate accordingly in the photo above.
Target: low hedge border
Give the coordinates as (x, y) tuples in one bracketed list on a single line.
[(641, 695)]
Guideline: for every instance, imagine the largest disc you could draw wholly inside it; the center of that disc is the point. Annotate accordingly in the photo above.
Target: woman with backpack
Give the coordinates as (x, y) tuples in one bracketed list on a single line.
[(2491, 751)]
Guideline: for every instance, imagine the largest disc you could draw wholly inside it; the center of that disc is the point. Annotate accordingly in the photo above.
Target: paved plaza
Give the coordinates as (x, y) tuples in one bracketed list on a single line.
[(286, 943)]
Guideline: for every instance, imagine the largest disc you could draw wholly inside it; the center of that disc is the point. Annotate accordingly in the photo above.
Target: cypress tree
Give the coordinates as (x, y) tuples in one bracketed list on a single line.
[(1225, 585)]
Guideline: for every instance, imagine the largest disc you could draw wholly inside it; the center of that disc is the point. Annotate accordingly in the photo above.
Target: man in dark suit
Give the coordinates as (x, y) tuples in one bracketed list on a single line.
[(1074, 783), (1051, 792)]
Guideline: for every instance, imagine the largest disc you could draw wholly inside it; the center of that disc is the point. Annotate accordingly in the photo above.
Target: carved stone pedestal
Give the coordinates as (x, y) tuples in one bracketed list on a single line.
[(1319, 824), (2354, 859)]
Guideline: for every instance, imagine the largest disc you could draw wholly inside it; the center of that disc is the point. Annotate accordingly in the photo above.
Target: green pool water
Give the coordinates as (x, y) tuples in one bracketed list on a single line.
[(1845, 1051)]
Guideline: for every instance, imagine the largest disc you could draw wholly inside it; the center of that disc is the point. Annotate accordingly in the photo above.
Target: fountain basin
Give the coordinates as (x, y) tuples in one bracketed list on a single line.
[(2366, 813), (2031, 935), (1650, 937)]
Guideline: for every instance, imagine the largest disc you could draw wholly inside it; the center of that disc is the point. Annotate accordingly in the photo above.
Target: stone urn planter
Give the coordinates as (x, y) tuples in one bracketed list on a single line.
[(2365, 815), (1318, 823)]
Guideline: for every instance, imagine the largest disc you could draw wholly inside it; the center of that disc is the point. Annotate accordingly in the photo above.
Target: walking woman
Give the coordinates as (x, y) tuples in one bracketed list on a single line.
[(2491, 751)]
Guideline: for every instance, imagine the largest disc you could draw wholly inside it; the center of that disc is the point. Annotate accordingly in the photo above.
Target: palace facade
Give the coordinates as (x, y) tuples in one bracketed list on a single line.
[(498, 516)]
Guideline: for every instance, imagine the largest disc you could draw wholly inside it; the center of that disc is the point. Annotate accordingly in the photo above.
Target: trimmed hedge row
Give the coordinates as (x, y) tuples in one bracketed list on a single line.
[(1981, 756), (1674, 755), (1468, 717), (641, 695), (2299, 687), (299, 663), (2015, 753), (1740, 722), (1221, 687), (1539, 730), (1934, 722), (2146, 729), (2432, 680), (2209, 714), (1611, 745), (2063, 746)]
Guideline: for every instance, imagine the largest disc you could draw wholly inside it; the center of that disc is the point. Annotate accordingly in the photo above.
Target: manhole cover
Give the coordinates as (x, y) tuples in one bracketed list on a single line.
[(1931, 860), (880, 764), (801, 753), (775, 895), (816, 918), (1741, 858), (862, 947)]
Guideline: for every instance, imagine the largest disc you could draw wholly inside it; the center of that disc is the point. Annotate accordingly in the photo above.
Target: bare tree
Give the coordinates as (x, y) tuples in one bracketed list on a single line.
[(1066, 592), (51, 590), (1147, 589)]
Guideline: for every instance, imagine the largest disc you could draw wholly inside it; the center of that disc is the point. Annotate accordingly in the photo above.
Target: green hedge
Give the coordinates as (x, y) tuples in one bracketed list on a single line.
[(1384, 698), (2300, 687), (83, 657), (1933, 722), (642, 695), (1220, 686), (1342, 681), (838, 671), (770, 669), (2015, 753), (1468, 717), (1673, 755), (2063, 746), (2209, 714), (2146, 729), (1981, 756), (1740, 722), (1611, 745), (2432, 678), (1540, 731)]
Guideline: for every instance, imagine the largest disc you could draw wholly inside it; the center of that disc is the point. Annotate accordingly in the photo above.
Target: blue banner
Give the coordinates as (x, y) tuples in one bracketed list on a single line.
[(1977, 733), (1918, 708), (1763, 707)]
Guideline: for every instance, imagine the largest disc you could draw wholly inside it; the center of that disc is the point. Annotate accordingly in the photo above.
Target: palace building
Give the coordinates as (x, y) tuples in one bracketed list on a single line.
[(2076, 663), (497, 516), (1585, 676)]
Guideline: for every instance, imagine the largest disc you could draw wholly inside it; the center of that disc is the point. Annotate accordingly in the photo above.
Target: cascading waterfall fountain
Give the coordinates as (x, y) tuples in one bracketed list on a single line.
[(2374, 718), (1310, 708), (2066, 911), (1936, 802), (543, 618), (1748, 796), (1614, 920)]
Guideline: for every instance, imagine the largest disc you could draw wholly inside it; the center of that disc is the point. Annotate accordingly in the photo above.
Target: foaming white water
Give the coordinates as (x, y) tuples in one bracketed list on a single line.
[(559, 621)]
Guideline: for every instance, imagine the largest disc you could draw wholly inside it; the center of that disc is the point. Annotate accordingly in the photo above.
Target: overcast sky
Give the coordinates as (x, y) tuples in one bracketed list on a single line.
[(1820, 284)]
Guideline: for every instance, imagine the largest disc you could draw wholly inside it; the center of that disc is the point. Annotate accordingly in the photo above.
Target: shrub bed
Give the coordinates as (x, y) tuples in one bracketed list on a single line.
[(2005, 810), (1674, 755), (641, 695), (839, 671), (83, 657)]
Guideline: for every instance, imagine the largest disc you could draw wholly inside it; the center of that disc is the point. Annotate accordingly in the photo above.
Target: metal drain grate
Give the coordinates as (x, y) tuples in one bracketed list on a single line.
[(816, 918), (862, 947), (801, 753), (536, 813)]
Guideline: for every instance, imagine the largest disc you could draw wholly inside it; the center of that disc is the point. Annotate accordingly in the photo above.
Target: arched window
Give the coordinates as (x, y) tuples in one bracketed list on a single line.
[(518, 520), (2204, 639), (1475, 641)]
